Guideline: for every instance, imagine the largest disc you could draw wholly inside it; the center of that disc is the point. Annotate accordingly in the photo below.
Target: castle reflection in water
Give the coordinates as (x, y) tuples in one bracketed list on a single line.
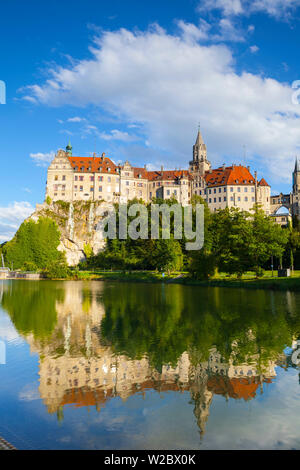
[(79, 367)]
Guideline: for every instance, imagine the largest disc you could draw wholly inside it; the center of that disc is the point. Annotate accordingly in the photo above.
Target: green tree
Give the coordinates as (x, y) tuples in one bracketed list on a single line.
[(34, 242), (267, 239)]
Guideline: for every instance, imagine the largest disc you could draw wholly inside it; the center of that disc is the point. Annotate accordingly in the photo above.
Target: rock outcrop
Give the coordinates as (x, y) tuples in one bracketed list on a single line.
[(78, 223)]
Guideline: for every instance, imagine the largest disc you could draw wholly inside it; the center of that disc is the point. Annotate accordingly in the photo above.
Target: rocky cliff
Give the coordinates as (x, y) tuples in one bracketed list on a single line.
[(77, 223)]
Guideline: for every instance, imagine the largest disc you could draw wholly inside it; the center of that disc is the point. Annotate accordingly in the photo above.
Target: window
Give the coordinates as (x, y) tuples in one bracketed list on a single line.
[(252, 190), (225, 190), (91, 189), (76, 178), (55, 178), (232, 198), (210, 191), (100, 178), (220, 189), (64, 178), (209, 200), (253, 199), (100, 189), (215, 199), (215, 191), (220, 199), (239, 189), (109, 179), (175, 192), (231, 189), (63, 188), (75, 188), (168, 192), (246, 199), (81, 178), (246, 190), (239, 198), (81, 188), (91, 178), (224, 198), (127, 183)]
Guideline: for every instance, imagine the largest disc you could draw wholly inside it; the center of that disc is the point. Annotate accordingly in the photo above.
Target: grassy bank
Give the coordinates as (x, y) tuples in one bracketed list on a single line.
[(248, 280)]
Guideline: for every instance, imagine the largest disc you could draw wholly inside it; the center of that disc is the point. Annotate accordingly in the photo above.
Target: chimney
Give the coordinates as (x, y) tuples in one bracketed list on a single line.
[(161, 168), (145, 167), (103, 155), (248, 168), (210, 170), (223, 166)]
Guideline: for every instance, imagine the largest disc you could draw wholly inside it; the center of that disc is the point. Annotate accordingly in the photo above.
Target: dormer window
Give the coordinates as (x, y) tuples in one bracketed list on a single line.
[(108, 169), (237, 181), (82, 168)]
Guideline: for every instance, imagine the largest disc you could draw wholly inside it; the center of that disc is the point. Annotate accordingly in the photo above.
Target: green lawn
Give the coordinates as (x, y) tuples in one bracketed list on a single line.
[(248, 280)]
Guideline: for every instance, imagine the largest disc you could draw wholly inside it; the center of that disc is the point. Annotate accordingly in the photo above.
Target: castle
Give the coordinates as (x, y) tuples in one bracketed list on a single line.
[(95, 178)]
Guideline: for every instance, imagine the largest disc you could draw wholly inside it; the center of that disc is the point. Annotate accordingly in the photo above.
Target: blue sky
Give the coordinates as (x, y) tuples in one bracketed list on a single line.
[(133, 79)]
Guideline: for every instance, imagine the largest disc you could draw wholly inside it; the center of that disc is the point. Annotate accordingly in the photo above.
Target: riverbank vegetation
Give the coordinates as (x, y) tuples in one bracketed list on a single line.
[(238, 248), (235, 242)]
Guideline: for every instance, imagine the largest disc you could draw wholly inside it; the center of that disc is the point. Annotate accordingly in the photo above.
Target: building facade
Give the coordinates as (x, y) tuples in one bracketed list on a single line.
[(99, 178)]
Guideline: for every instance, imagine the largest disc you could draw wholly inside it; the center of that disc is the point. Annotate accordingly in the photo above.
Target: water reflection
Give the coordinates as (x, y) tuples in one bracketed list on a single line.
[(97, 341)]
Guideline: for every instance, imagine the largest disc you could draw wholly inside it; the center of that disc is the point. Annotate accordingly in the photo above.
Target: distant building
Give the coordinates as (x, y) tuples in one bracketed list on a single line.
[(99, 178)]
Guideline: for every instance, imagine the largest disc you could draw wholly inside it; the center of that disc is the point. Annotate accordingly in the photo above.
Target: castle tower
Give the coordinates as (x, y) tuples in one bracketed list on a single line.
[(69, 149), (199, 164), (296, 188)]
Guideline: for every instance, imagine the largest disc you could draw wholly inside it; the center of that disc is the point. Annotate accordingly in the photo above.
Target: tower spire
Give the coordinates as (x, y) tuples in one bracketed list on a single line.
[(69, 148)]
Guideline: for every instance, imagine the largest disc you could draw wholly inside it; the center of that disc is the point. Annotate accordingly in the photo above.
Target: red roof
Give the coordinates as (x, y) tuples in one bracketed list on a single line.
[(93, 164), (232, 175), (167, 175), (263, 182)]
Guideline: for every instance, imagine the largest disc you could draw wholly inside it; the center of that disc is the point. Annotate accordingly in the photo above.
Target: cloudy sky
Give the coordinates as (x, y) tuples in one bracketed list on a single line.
[(133, 79)]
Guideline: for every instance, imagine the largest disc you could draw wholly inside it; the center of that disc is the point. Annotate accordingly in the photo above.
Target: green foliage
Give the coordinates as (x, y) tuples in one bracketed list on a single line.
[(31, 306), (34, 242), (65, 206), (57, 270), (29, 266), (88, 250), (48, 200), (236, 242)]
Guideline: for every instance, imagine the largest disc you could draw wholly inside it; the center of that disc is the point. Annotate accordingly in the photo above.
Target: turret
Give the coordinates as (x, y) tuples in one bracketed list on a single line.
[(69, 149), (199, 164)]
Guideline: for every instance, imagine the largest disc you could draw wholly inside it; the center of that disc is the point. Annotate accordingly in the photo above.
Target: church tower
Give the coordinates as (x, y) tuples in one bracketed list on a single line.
[(199, 165), (296, 177), (296, 188)]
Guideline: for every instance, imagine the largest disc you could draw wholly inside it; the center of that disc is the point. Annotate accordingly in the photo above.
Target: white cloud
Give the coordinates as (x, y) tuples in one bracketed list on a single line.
[(228, 7), (280, 9), (42, 159), (254, 49), (168, 84), (76, 119), (11, 218), (115, 134)]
